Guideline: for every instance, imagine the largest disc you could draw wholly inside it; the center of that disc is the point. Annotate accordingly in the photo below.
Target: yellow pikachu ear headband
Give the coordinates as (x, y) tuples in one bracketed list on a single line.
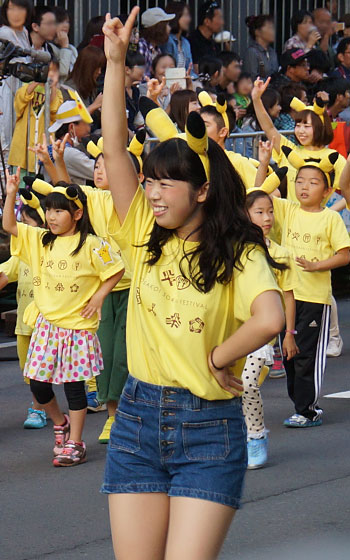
[(95, 149), (326, 164), (272, 182), (162, 127), (136, 146), (70, 192), (318, 107), (29, 199), (220, 105)]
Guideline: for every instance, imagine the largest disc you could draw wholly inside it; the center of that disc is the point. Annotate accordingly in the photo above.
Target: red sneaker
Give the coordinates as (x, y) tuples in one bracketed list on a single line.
[(61, 434), (72, 454)]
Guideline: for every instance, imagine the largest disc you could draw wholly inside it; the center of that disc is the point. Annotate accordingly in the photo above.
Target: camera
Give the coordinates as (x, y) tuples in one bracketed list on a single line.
[(35, 71)]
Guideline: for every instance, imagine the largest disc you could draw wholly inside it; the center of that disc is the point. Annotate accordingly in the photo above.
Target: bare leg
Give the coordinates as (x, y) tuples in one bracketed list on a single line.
[(139, 524), (112, 407), (197, 529), (54, 412), (77, 420)]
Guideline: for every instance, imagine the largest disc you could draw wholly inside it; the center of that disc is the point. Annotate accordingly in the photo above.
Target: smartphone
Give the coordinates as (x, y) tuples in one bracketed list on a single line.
[(173, 75)]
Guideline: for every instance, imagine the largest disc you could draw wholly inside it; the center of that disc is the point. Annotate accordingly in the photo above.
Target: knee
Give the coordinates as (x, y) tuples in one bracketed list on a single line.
[(75, 394), (42, 391)]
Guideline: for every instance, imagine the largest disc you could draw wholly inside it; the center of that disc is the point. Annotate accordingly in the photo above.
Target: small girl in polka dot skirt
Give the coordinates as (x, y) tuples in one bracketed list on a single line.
[(260, 209), (73, 272)]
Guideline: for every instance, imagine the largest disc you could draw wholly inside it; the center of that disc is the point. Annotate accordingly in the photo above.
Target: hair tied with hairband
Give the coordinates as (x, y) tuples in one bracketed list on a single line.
[(70, 192)]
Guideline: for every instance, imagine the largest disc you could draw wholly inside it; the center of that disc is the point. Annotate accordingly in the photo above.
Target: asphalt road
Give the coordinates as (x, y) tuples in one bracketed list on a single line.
[(297, 507)]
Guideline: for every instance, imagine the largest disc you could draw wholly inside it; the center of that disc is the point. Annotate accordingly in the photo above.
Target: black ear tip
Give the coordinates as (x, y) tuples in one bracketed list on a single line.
[(333, 157), (26, 194), (195, 124), (72, 191), (286, 150), (282, 172), (320, 102), (221, 98), (141, 135), (28, 180), (146, 105)]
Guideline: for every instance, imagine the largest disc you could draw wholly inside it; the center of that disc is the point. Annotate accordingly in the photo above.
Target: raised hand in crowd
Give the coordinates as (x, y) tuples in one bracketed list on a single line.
[(62, 39), (155, 88)]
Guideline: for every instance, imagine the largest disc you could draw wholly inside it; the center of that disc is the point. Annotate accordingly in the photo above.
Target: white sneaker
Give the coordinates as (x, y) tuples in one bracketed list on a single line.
[(335, 347)]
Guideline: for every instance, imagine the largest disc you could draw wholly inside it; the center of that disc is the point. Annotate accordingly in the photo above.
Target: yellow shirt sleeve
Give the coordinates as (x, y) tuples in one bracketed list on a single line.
[(339, 166), (246, 286), (338, 234), (286, 279), (244, 167), (27, 237), (10, 269), (135, 229)]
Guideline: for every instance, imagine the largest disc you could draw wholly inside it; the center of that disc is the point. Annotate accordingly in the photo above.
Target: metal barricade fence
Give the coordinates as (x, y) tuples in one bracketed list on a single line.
[(254, 137)]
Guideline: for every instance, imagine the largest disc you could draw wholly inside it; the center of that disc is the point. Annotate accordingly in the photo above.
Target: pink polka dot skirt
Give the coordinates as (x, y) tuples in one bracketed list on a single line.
[(58, 355)]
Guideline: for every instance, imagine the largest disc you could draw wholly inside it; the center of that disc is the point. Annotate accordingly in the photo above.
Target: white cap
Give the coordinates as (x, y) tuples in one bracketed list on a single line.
[(70, 111), (152, 16), (224, 37)]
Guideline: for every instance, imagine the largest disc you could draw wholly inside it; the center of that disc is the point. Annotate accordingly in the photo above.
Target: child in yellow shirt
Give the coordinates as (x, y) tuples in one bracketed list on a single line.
[(319, 242), (260, 209), (16, 270), (73, 271)]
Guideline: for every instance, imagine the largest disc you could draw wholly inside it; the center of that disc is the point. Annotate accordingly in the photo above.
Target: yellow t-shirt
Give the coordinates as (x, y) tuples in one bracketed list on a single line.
[(286, 279), (171, 326), (244, 167), (63, 284), (314, 236), (101, 213), (18, 271), (305, 153)]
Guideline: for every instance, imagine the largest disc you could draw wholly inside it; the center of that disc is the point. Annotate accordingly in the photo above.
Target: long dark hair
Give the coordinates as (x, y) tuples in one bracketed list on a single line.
[(57, 201), (226, 229), (179, 106), (89, 60)]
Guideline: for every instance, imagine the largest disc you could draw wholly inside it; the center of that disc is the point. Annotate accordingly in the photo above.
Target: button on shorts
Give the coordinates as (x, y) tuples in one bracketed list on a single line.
[(165, 439)]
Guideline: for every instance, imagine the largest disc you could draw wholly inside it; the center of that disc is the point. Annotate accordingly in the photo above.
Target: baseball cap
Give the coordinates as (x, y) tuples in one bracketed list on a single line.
[(152, 16), (71, 111), (293, 57)]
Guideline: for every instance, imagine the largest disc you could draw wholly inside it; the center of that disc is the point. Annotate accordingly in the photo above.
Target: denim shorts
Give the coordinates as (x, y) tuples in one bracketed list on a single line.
[(165, 439)]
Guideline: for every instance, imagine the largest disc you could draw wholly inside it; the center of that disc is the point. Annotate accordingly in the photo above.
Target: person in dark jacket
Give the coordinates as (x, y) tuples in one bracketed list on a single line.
[(260, 58)]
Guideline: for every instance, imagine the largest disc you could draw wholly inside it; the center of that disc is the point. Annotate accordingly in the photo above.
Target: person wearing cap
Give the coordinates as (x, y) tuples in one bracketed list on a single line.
[(74, 119), (177, 45), (294, 68), (155, 32), (210, 22)]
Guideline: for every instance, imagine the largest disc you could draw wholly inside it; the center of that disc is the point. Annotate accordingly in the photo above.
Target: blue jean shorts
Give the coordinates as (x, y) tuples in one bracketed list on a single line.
[(165, 439)]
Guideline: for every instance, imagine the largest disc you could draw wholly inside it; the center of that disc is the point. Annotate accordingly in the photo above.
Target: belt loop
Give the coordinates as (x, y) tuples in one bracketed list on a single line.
[(133, 389), (196, 402)]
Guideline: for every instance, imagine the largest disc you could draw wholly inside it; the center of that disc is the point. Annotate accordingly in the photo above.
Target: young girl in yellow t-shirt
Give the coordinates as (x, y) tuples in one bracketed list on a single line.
[(73, 271), (260, 209), (313, 131), (177, 452), (15, 270), (319, 242)]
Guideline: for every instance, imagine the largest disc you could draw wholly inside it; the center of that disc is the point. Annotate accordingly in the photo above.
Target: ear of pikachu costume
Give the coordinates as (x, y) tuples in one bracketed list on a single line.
[(162, 126), (326, 164), (29, 199), (135, 147), (246, 167)]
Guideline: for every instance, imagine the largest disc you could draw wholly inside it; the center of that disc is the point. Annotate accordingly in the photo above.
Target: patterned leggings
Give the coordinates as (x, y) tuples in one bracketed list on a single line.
[(252, 401)]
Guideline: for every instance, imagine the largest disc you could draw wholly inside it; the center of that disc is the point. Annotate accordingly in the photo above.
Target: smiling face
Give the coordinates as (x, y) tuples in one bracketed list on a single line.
[(261, 214), (310, 187), (100, 175), (304, 132), (61, 222)]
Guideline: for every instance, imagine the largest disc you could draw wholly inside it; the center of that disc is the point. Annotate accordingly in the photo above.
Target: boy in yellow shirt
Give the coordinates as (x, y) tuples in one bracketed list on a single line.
[(318, 240)]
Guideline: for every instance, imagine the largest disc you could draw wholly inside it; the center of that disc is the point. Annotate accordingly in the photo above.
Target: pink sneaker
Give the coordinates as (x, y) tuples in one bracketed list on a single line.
[(61, 434), (72, 454)]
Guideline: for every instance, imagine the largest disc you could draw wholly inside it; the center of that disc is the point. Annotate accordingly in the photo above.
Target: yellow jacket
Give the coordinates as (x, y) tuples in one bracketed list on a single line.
[(35, 103)]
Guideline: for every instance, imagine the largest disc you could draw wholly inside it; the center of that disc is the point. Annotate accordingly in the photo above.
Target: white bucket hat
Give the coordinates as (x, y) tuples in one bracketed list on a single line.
[(152, 16)]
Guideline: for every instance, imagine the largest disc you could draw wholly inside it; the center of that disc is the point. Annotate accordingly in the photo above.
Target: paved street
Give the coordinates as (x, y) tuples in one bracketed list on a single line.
[(297, 507)]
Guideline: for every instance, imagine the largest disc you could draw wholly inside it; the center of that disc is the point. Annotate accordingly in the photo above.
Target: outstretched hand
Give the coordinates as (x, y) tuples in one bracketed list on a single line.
[(41, 150), (265, 152), (117, 36), (259, 88), (58, 147)]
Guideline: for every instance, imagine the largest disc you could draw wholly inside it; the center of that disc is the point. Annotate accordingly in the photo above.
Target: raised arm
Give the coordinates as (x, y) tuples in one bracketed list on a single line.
[(9, 222), (262, 115), (122, 178)]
